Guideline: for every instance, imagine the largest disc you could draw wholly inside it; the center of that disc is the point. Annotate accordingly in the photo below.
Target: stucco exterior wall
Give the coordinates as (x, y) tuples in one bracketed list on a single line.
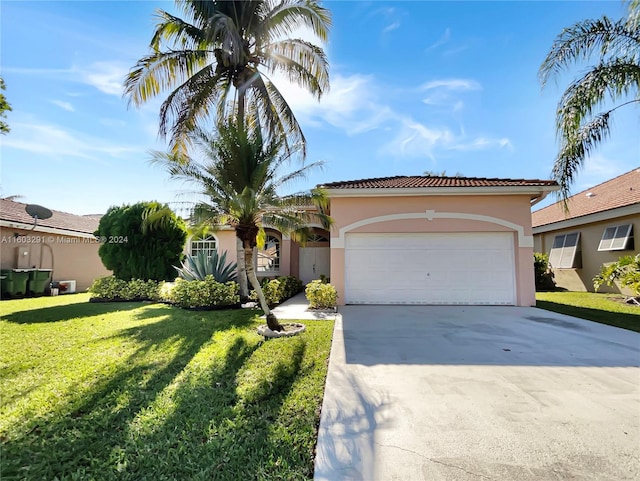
[(226, 241), (482, 213), (70, 257), (581, 279)]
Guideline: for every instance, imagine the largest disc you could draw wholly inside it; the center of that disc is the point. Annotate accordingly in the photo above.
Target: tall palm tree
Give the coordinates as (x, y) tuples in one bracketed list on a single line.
[(239, 175), (614, 79), (220, 58)]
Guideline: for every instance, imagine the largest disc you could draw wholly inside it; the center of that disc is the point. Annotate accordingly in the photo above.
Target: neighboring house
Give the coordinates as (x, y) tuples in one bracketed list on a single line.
[(415, 240), (597, 228), (64, 243)]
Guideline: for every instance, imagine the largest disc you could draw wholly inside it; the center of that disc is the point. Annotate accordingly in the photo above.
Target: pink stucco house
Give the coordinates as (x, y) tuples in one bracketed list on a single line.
[(414, 240)]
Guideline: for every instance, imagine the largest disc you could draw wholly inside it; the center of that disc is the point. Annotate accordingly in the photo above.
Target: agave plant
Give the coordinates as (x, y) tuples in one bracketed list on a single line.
[(196, 268)]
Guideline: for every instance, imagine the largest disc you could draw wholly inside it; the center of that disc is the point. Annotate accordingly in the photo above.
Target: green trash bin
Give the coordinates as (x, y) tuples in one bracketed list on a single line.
[(6, 283), (38, 280), (15, 282)]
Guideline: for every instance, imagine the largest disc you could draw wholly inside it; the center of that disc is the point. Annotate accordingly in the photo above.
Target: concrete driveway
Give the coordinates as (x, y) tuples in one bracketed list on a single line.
[(479, 393)]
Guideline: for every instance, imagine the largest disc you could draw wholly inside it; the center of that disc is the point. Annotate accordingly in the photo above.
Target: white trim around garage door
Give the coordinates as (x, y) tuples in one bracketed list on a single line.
[(523, 240)]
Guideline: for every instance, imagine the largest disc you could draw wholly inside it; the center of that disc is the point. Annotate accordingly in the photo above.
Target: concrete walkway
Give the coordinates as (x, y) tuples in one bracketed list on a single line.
[(478, 393), (298, 308)]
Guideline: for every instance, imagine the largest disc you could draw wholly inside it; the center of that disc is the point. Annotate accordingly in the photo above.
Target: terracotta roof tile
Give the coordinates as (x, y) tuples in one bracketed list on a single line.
[(416, 181), (15, 212), (621, 191)]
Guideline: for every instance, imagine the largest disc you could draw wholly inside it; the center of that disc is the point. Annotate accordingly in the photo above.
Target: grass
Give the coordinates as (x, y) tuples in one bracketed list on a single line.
[(603, 308), (132, 391)]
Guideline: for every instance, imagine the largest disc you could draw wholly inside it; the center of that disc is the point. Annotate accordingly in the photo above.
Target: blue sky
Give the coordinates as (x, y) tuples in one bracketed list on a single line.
[(415, 86)]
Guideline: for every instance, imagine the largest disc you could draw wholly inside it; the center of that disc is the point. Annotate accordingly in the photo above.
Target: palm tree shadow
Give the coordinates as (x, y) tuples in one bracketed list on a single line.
[(347, 434), (88, 430), (67, 312)]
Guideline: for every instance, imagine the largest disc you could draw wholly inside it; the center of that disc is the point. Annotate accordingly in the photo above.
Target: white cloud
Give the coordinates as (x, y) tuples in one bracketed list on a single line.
[(452, 84), (416, 140), (108, 77), (391, 27), (358, 104), (63, 105), (444, 38), (57, 143)]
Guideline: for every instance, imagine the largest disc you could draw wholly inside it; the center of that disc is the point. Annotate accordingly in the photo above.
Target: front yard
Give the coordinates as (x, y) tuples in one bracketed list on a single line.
[(132, 391), (603, 308)]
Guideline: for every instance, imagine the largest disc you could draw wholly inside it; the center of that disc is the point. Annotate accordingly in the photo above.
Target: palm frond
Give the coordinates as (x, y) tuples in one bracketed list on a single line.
[(159, 71), (579, 42), (614, 79), (289, 15), (575, 148), (302, 62), (173, 29)]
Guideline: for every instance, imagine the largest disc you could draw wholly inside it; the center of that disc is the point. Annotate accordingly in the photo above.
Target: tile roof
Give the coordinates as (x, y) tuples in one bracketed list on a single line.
[(417, 181), (15, 212), (620, 191)]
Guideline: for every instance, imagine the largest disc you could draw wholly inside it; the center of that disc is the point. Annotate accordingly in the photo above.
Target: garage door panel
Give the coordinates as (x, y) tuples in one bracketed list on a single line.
[(456, 268)]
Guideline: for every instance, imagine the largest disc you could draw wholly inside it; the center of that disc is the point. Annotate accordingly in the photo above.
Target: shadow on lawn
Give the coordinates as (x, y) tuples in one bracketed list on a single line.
[(92, 434), (221, 430), (617, 319), (68, 311)]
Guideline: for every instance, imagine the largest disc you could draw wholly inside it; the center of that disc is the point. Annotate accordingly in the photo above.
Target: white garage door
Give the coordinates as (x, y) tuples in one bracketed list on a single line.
[(453, 268)]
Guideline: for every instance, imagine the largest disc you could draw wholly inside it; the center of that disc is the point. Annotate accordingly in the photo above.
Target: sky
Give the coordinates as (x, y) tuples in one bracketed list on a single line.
[(415, 86)]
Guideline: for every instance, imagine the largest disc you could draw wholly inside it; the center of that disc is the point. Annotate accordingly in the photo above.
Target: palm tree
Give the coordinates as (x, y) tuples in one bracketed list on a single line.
[(614, 79), (220, 58), (239, 176)]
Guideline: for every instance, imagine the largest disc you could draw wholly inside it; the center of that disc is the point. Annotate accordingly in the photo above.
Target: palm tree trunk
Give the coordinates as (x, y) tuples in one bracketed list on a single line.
[(242, 272), (272, 320)]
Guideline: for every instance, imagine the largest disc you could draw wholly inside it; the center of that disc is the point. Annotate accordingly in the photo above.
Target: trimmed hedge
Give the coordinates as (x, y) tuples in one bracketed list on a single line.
[(203, 294), (112, 289), (279, 289), (188, 294), (321, 295)]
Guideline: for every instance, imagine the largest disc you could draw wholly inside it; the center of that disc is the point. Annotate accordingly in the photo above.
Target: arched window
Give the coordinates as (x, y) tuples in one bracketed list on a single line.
[(206, 244), (268, 258)]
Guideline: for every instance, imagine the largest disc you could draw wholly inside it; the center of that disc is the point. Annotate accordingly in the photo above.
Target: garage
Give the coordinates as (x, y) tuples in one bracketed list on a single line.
[(434, 240), (430, 268)]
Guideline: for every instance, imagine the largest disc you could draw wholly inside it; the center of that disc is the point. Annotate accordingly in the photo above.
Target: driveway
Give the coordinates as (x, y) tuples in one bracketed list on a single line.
[(479, 393)]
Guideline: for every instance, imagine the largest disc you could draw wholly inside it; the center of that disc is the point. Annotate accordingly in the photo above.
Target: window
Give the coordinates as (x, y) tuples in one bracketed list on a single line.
[(617, 238), (315, 237), (268, 258), (206, 244), (565, 253)]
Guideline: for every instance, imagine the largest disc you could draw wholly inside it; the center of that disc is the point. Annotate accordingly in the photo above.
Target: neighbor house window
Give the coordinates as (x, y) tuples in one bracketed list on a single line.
[(617, 238), (565, 253), (206, 244), (268, 258)]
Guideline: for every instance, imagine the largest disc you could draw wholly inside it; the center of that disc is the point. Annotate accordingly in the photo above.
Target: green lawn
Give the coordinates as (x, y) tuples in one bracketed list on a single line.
[(603, 308), (130, 391)]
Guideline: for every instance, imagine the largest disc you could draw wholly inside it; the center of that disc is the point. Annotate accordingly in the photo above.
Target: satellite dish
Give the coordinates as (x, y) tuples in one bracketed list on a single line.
[(38, 212)]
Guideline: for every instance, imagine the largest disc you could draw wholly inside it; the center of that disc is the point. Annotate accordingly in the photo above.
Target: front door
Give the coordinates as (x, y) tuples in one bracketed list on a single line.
[(314, 262)]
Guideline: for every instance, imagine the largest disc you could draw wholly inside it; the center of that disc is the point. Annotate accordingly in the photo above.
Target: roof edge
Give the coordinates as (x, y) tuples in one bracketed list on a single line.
[(600, 216)]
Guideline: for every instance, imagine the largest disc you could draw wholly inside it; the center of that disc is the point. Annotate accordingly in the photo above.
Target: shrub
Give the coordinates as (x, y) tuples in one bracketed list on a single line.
[(141, 241), (198, 267), (543, 276), (205, 293), (278, 290), (273, 291), (113, 289), (626, 270), (321, 295), (291, 286)]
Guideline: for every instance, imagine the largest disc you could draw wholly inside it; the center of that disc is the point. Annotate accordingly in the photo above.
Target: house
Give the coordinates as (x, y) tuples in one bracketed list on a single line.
[(415, 240), (63, 243), (597, 228)]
